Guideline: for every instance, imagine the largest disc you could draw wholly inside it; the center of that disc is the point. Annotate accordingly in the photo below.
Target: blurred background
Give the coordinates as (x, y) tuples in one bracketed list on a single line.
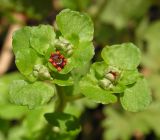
[(116, 21)]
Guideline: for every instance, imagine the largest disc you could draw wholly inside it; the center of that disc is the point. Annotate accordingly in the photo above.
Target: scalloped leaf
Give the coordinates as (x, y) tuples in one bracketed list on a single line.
[(42, 38), (21, 39), (72, 23), (32, 95), (83, 53), (124, 56), (137, 97), (129, 77), (26, 57)]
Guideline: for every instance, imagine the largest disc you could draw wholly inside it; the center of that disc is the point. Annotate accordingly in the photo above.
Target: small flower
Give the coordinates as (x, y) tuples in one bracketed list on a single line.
[(58, 60)]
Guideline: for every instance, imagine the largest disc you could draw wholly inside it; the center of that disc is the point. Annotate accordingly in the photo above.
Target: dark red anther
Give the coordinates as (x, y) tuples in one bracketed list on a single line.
[(50, 60), (57, 52), (61, 56), (54, 64), (57, 60), (65, 60), (59, 69)]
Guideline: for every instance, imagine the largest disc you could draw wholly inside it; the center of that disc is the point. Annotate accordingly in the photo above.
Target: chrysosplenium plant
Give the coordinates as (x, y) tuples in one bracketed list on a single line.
[(57, 68)]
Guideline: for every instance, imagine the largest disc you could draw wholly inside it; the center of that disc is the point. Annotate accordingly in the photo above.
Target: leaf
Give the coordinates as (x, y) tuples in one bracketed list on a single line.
[(5, 81), (32, 95), (42, 38), (83, 53), (95, 93), (72, 23), (10, 111), (118, 88), (129, 77), (98, 69), (137, 97), (21, 39), (26, 59), (124, 56), (63, 124)]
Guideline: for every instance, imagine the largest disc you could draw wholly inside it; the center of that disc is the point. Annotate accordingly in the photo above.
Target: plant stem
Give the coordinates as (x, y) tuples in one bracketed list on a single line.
[(61, 101)]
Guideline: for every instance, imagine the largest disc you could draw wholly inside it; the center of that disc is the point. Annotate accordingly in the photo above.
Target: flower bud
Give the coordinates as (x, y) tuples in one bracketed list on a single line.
[(110, 76), (69, 52), (104, 83), (41, 72), (64, 45)]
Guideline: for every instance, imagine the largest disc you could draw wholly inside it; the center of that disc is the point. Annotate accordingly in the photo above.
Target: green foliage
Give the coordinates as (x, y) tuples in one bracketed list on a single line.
[(125, 56), (57, 64), (7, 110), (137, 97), (39, 42), (117, 74), (65, 126), (72, 24), (37, 38), (32, 95)]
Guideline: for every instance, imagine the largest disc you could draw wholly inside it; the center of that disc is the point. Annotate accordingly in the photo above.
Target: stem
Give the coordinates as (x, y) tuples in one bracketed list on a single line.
[(61, 101)]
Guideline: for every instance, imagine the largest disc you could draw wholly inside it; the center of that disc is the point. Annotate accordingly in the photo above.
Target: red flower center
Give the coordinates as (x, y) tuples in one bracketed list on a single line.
[(57, 60)]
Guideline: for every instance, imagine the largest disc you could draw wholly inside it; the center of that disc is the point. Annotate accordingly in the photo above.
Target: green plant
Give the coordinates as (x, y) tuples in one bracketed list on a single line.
[(58, 70)]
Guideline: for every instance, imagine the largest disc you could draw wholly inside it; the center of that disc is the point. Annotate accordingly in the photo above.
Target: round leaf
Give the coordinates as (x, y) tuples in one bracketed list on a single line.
[(83, 53), (125, 56), (21, 39), (137, 97), (72, 23), (32, 95), (26, 59), (42, 37), (129, 77)]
